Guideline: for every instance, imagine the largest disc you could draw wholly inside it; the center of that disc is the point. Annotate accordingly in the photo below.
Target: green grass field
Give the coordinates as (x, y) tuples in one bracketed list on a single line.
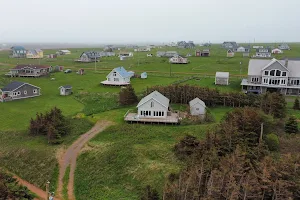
[(125, 158)]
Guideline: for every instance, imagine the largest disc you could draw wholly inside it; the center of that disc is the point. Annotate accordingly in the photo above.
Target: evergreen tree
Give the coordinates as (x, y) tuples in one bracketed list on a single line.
[(127, 96), (291, 125), (296, 104)]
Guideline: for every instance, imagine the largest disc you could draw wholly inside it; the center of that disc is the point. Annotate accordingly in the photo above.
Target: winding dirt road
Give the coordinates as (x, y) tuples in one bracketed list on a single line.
[(69, 156)]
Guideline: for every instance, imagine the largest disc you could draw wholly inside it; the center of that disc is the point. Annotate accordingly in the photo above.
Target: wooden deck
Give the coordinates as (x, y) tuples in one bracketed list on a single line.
[(133, 118), (113, 83)]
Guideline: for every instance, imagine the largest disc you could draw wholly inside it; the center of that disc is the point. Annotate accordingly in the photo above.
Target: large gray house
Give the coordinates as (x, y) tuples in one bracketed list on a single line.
[(18, 90), (273, 75)]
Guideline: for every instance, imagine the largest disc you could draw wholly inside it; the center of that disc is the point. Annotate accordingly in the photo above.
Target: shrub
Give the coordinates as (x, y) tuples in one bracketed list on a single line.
[(272, 142)]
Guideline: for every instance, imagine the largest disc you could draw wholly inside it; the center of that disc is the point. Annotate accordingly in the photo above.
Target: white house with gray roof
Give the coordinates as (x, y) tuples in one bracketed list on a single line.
[(273, 75), (154, 105), (18, 90), (118, 77), (197, 107)]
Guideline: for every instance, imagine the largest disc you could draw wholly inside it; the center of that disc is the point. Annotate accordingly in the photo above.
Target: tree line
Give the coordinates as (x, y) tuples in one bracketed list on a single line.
[(270, 103)]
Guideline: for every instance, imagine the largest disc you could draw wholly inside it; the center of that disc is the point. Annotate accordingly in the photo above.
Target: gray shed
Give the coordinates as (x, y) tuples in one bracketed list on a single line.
[(222, 78), (65, 90), (197, 107)]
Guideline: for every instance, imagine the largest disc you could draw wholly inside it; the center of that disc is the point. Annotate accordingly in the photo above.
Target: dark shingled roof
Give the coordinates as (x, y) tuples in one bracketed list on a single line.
[(12, 86)]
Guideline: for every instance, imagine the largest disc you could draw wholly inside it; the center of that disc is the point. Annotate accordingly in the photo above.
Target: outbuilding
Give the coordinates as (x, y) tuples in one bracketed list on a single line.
[(197, 107), (222, 78), (65, 90)]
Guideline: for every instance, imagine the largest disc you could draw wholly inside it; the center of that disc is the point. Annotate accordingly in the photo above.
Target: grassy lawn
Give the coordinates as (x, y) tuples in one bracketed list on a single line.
[(123, 159)]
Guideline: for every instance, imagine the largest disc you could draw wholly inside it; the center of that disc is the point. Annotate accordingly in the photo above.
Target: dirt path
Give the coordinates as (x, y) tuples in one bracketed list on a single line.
[(69, 157)]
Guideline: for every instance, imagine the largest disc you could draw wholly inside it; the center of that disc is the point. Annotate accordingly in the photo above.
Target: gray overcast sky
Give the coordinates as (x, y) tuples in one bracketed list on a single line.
[(129, 21)]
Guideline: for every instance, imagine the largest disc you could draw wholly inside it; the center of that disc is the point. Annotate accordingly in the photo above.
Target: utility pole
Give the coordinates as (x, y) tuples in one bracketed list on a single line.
[(47, 189)]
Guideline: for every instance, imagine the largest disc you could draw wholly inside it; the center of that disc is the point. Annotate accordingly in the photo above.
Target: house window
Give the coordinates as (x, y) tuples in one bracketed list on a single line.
[(283, 73), (152, 104), (266, 73), (25, 91), (272, 73), (35, 91)]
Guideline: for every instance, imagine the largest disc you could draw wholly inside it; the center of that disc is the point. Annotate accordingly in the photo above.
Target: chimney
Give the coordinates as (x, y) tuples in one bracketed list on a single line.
[(286, 64)]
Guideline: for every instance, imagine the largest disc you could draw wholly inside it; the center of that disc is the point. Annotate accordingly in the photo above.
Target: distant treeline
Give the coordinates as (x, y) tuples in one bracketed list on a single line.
[(270, 103)]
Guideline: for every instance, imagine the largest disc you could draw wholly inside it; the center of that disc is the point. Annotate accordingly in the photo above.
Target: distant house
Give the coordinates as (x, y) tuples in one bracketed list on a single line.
[(222, 78), (258, 47), (125, 54), (118, 77), (272, 75), (203, 53), (197, 107), (230, 53), (17, 52), (263, 53), (230, 45), (18, 90), (142, 49), (63, 52), (284, 46), (34, 53), (144, 75), (277, 51), (29, 71), (65, 90), (186, 45), (242, 49), (167, 54), (178, 60), (89, 56)]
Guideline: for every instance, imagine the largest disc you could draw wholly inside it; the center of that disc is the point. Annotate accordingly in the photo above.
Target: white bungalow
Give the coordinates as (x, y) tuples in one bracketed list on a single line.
[(144, 75), (197, 107), (222, 78), (65, 90), (154, 105), (118, 76)]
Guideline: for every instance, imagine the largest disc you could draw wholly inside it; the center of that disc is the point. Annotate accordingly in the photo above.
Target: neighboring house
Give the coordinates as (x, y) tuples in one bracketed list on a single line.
[(89, 56), (203, 53), (34, 53), (17, 52), (230, 45), (273, 75), (65, 90), (277, 51), (284, 46), (143, 49), (230, 53), (197, 107), (29, 71), (144, 75), (222, 78), (263, 53), (167, 54), (154, 105), (18, 90), (125, 54), (178, 60), (258, 47), (186, 45), (243, 49), (63, 52), (118, 76)]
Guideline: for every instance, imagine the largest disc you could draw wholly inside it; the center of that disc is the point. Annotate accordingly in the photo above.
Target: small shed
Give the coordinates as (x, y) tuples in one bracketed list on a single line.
[(80, 71), (197, 107), (65, 90), (230, 53), (222, 78), (144, 75)]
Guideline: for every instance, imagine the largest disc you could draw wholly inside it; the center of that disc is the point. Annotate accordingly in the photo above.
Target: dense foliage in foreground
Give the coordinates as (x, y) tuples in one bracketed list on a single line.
[(9, 188)]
